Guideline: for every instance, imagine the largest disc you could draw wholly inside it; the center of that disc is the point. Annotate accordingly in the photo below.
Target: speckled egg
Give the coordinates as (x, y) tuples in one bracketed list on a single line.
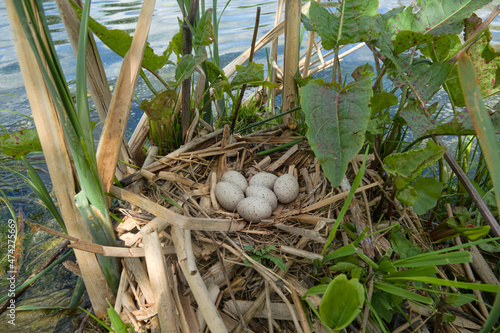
[(286, 188), (233, 176), (228, 195), (254, 209), (263, 178), (260, 191)]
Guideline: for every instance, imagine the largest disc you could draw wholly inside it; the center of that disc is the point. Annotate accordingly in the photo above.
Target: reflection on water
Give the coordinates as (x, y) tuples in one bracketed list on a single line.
[(235, 35)]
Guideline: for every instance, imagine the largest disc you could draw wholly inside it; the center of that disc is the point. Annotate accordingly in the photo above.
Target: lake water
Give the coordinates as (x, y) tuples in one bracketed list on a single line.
[(235, 34)]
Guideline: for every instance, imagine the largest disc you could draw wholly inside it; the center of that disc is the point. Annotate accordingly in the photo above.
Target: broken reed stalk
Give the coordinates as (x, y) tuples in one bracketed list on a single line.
[(195, 281), (157, 271), (252, 50), (291, 61), (119, 109), (58, 163)]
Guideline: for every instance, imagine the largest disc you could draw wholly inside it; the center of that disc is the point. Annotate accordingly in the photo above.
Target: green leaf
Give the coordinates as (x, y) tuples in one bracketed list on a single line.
[(20, 143), (344, 251), (402, 292), (424, 270), (428, 193), (423, 77), (342, 302), (434, 17), (442, 48), (337, 119), (204, 31), (343, 267), (488, 140), (186, 66), (409, 165), (161, 106), (277, 261), (407, 195), (382, 303), (317, 290), (425, 259), (354, 21), (461, 124), (116, 320), (381, 101), (251, 74), (474, 233), (449, 283), (485, 60), (119, 42), (402, 245), (38, 187)]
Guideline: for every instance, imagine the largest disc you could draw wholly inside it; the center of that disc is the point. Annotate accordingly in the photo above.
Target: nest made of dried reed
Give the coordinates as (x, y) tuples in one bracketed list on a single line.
[(297, 231)]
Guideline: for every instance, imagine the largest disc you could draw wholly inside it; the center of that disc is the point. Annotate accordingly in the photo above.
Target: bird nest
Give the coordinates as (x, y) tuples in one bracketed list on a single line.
[(191, 263)]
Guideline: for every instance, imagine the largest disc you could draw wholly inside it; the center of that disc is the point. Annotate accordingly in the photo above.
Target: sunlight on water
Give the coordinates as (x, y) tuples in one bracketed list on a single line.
[(235, 34)]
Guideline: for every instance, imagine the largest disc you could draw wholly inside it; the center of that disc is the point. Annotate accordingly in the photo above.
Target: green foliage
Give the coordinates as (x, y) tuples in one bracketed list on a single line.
[(119, 42), (263, 253), (428, 191), (342, 302), (251, 74), (354, 21), (337, 118), (434, 17), (489, 145), (406, 167), (20, 143), (461, 124)]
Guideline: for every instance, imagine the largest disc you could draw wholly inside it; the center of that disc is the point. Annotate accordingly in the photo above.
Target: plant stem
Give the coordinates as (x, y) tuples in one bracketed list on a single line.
[(252, 50)]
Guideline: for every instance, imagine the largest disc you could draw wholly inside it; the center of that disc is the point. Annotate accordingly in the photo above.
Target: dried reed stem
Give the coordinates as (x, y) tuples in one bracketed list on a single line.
[(196, 283), (119, 109)]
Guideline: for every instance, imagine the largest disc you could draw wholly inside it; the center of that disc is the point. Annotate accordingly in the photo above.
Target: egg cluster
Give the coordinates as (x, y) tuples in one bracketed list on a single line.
[(257, 199)]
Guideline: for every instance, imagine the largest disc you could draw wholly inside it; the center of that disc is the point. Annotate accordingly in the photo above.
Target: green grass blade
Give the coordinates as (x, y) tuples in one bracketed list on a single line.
[(402, 292), (355, 184), (426, 259), (38, 187), (447, 283)]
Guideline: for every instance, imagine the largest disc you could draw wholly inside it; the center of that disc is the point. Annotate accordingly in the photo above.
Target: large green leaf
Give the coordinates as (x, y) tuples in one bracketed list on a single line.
[(382, 101), (204, 32), (356, 20), (434, 17), (20, 143), (423, 77), (186, 66), (251, 74), (119, 42), (161, 107), (482, 122), (486, 63), (337, 118), (409, 165), (460, 124), (428, 192), (342, 302)]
